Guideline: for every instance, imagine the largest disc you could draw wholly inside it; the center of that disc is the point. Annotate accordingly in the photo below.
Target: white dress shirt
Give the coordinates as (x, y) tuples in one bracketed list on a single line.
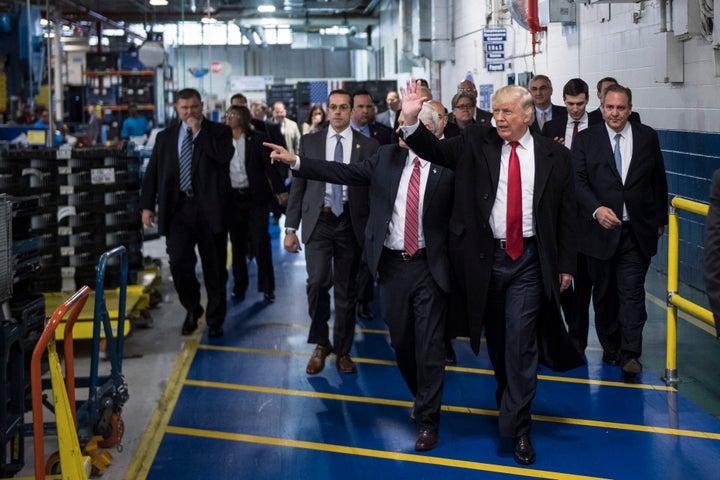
[(238, 172), (571, 126), (395, 238), (526, 154), (626, 148)]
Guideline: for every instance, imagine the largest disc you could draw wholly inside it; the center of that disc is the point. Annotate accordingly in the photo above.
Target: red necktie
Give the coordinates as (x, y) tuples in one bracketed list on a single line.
[(411, 210), (575, 129), (513, 218)]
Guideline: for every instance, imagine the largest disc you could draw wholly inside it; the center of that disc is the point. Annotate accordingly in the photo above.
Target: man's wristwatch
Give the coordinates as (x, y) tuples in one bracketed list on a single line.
[(290, 230)]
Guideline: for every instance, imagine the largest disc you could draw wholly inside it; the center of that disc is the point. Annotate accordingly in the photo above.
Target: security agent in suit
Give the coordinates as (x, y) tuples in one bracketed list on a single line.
[(541, 90), (413, 288), (712, 250), (196, 217), (331, 238), (622, 212), (502, 295), (563, 129), (596, 115), (255, 183)]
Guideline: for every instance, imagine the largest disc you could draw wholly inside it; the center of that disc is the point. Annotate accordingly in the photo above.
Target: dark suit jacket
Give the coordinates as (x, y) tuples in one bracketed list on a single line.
[(712, 250), (381, 133), (384, 118), (451, 130), (307, 196), (475, 158), (263, 178), (596, 117), (382, 173), (558, 111), (213, 151), (598, 183)]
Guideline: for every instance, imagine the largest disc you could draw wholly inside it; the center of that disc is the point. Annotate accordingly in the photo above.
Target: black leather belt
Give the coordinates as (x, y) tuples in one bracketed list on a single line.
[(501, 243), (403, 255), (187, 193), (243, 190)]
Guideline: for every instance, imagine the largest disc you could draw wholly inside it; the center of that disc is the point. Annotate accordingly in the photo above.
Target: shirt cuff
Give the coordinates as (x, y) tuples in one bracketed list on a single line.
[(409, 129), (297, 163)]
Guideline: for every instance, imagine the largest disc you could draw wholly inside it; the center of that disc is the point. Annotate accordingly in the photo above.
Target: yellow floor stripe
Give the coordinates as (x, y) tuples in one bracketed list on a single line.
[(365, 452), (150, 442), (477, 371), (457, 409)]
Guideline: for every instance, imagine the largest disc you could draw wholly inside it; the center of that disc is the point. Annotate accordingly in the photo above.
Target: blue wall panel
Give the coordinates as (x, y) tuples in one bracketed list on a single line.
[(690, 160)]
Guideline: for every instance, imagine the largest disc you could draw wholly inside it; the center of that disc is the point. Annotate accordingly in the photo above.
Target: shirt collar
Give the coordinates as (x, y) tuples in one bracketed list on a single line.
[(524, 140), (346, 134), (411, 157), (625, 132)]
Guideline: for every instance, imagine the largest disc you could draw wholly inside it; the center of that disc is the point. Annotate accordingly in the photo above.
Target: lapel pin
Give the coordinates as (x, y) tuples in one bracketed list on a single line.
[(434, 170), (357, 145)]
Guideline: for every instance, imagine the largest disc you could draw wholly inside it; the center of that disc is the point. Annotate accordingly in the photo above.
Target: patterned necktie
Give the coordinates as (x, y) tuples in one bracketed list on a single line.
[(617, 155), (513, 217), (542, 119), (411, 210), (336, 200), (186, 161), (575, 129)]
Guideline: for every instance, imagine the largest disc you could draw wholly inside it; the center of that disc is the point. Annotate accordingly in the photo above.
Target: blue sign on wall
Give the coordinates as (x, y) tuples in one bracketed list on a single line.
[(485, 93), (495, 34), (496, 67), (495, 47)]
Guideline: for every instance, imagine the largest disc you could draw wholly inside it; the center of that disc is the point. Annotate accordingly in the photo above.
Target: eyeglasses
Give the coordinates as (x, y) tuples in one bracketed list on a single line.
[(466, 90), (232, 115), (343, 108), (465, 107)]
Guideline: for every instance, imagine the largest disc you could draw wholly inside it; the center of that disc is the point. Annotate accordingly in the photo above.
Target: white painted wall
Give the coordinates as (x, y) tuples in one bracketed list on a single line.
[(605, 42)]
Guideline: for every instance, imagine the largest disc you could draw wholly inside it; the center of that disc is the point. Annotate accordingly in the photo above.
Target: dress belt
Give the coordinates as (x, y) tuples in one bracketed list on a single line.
[(403, 255), (329, 209), (187, 193), (501, 243)]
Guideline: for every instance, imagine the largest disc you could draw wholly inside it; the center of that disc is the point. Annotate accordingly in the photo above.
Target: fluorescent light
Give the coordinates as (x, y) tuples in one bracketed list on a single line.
[(208, 19), (266, 8), (159, 3)]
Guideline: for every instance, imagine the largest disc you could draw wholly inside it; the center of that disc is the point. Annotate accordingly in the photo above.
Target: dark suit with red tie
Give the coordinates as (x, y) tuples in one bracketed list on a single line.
[(476, 257), (413, 292)]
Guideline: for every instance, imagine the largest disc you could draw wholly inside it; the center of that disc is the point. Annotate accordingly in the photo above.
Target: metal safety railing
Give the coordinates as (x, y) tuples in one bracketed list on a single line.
[(674, 299)]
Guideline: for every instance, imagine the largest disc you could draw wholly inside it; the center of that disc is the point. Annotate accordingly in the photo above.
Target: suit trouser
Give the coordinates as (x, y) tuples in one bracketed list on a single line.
[(365, 283), (415, 310), (248, 225), (188, 228), (619, 296), (514, 300), (575, 303), (331, 257)]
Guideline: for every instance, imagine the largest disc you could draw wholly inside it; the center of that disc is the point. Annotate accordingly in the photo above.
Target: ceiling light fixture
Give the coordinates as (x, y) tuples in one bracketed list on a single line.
[(159, 3), (266, 8)]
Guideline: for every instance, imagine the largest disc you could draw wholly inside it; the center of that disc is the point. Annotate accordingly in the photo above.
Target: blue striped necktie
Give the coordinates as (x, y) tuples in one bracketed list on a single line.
[(186, 161), (336, 200)]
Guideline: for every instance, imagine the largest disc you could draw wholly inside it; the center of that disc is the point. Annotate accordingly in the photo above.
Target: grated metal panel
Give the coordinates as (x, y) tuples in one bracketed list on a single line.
[(6, 273)]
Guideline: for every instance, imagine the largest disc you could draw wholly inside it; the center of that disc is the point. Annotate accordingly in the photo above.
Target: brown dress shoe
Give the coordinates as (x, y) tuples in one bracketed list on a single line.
[(345, 364), (427, 440), (317, 360)]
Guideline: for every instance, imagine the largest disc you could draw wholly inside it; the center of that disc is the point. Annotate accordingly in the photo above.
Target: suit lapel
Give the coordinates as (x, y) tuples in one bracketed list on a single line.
[(432, 184), (395, 174), (637, 146), (355, 146), (492, 151)]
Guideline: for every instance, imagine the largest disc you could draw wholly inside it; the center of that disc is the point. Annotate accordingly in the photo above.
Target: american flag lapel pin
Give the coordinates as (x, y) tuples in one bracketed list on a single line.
[(434, 170), (357, 146)]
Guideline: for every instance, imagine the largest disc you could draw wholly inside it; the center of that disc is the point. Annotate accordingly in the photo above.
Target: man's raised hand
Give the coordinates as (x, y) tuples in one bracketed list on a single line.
[(412, 101)]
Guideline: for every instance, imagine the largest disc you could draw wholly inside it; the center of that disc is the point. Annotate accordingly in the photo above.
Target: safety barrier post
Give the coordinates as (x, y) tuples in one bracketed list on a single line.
[(671, 373)]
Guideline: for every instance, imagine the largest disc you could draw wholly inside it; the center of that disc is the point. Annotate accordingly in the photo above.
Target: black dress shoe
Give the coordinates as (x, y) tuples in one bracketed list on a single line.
[(450, 357), (191, 320), (611, 357), (269, 296), (427, 440), (631, 369), (524, 452), (215, 332), (364, 311)]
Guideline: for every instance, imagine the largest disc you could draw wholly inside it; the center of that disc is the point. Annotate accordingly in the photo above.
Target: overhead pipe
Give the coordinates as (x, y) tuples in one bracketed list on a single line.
[(533, 20), (102, 18)]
